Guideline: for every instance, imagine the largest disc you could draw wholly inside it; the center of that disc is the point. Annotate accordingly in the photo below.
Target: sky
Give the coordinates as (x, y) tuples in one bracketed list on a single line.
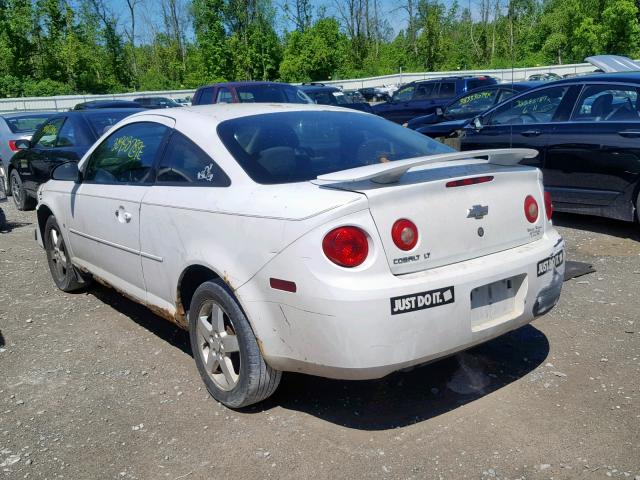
[(149, 12)]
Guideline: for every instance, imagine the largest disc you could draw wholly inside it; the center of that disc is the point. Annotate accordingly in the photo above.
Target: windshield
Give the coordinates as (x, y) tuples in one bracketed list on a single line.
[(469, 105), (101, 122), (26, 123), (287, 147), (329, 98), (271, 93)]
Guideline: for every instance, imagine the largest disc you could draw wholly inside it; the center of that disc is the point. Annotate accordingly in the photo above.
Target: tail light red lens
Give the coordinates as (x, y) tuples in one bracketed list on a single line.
[(548, 205), (531, 209), (346, 246), (404, 234), (12, 146)]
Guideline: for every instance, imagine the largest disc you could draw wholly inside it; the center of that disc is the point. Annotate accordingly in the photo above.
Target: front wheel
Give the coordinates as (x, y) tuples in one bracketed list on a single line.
[(62, 270), (225, 349), (20, 196)]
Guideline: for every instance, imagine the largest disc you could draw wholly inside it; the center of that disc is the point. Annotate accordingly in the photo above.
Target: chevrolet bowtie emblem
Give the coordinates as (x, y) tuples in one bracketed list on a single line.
[(478, 211)]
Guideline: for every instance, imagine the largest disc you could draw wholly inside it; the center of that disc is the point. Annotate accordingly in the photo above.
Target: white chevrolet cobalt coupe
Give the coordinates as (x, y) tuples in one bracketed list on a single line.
[(304, 238)]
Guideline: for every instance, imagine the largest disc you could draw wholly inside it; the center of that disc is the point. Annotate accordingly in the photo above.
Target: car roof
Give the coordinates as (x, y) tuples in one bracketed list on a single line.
[(626, 77), (25, 114), (318, 88), (220, 112), (104, 104), (454, 77), (245, 84), (101, 111)]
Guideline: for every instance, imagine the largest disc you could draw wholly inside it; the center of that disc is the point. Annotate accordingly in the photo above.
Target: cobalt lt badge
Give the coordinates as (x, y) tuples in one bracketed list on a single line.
[(478, 211)]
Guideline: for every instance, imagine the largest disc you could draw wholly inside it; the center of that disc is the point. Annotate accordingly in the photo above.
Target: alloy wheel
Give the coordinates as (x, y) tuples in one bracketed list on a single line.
[(218, 345)]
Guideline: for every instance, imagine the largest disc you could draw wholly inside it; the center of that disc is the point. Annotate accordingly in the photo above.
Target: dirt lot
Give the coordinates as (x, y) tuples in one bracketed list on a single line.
[(93, 386)]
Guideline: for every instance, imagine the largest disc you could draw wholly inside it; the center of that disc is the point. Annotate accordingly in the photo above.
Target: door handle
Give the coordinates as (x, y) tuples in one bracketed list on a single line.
[(122, 215), (629, 133), (531, 133)]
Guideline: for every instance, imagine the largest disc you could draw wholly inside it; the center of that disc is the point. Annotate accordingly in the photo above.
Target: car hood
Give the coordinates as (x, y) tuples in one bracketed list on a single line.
[(417, 122), (450, 125), (613, 63)]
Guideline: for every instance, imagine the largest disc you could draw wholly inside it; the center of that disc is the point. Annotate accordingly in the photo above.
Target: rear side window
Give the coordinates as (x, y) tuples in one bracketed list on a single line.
[(425, 90), (26, 123), (447, 90), (127, 155), (224, 96), (607, 103), (287, 147), (184, 163), (206, 96)]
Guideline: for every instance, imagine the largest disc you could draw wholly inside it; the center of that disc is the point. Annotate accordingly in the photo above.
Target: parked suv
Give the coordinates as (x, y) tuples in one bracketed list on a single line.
[(249, 92), (422, 97)]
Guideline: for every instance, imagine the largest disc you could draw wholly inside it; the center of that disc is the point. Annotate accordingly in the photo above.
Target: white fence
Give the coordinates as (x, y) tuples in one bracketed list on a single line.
[(65, 102)]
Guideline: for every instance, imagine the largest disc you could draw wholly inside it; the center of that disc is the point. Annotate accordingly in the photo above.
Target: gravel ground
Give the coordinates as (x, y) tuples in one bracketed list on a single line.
[(93, 386)]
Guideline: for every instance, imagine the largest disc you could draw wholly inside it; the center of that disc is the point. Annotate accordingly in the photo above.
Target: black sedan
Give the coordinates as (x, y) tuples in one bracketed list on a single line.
[(64, 137), (587, 133), (460, 111)]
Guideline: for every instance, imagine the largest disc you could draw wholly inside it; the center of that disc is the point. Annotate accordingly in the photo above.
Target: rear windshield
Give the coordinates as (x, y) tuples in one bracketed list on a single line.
[(101, 122), (287, 147), (26, 123), (271, 93)]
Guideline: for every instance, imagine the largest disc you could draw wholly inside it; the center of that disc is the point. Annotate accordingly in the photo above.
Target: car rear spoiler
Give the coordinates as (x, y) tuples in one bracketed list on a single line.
[(392, 171)]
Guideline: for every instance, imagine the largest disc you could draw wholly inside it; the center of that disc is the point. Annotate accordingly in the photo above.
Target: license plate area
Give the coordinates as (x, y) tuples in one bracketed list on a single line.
[(497, 302)]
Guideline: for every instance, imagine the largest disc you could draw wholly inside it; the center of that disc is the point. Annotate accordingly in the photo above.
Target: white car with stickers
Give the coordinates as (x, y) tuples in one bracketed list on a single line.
[(304, 238)]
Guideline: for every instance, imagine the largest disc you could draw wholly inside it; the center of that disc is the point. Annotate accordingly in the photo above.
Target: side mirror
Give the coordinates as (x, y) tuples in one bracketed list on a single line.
[(439, 112), (477, 123), (22, 144), (67, 171)]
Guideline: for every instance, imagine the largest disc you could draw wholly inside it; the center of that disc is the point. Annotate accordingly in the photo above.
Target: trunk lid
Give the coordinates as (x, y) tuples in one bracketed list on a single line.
[(454, 223)]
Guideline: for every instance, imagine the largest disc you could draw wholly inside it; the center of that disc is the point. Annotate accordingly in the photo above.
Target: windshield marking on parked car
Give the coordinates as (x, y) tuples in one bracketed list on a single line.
[(206, 173), (131, 146), (475, 96)]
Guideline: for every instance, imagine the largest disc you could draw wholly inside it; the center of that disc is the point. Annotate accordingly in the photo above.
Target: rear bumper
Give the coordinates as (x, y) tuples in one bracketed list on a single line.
[(349, 330)]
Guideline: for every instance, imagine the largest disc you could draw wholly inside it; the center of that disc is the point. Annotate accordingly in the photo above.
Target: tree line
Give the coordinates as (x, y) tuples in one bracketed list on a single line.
[(50, 47)]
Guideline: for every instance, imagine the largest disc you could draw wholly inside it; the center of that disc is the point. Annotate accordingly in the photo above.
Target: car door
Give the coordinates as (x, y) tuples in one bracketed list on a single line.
[(395, 109), (521, 122), (33, 166), (422, 102), (594, 159), (104, 214), (186, 177)]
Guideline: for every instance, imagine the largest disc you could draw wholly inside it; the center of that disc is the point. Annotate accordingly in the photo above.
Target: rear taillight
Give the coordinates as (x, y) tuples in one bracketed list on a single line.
[(12, 146), (548, 205), (346, 246), (531, 209), (404, 234), (469, 181)]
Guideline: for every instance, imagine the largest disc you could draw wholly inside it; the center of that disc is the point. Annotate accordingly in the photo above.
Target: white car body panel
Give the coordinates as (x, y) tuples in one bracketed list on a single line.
[(340, 322)]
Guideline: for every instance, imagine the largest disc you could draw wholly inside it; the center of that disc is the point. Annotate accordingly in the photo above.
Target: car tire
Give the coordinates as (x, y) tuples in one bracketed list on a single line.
[(20, 196), (225, 349), (3, 220), (64, 274)]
